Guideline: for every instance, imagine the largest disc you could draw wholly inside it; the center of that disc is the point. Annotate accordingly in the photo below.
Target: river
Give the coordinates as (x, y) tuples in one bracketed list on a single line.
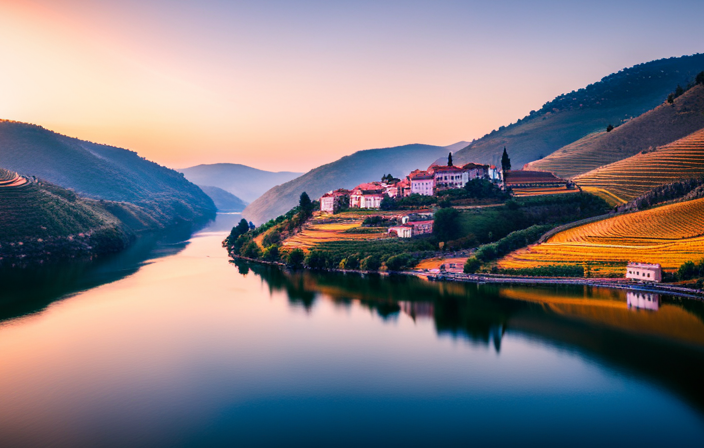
[(172, 344)]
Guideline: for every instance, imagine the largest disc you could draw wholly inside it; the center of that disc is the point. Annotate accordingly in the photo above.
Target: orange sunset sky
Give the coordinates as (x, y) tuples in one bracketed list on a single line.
[(291, 85)]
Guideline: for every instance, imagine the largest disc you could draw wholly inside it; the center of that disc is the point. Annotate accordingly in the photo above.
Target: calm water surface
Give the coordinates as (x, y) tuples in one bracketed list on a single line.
[(170, 344)]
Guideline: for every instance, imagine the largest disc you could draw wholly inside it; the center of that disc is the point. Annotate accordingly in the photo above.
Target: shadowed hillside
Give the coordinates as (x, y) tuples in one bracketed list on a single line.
[(631, 177), (243, 181), (40, 220), (660, 126), (347, 172), (102, 172), (569, 117), (224, 200)]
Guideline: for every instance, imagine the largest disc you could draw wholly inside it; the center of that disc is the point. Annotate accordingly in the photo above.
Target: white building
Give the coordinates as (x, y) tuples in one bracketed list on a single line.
[(422, 182), (644, 272), (367, 195), (403, 231)]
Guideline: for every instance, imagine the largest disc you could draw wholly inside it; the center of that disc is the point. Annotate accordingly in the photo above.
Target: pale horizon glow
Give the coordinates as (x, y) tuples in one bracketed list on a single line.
[(288, 86)]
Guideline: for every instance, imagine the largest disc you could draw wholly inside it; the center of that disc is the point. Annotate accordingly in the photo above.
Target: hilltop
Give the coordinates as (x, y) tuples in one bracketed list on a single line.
[(347, 172), (569, 117), (242, 181), (660, 126), (43, 221), (102, 172)]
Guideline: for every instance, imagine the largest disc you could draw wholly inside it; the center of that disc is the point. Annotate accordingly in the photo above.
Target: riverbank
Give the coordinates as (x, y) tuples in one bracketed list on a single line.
[(514, 280)]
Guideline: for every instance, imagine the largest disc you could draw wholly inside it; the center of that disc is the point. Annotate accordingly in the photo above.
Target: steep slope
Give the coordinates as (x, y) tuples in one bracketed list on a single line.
[(569, 117), (224, 200), (631, 177), (660, 126), (40, 220), (347, 172), (102, 172), (669, 235), (243, 181)]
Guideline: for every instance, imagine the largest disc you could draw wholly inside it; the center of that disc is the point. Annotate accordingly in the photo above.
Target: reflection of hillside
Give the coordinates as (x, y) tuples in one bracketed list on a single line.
[(28, 291), (666, 346)]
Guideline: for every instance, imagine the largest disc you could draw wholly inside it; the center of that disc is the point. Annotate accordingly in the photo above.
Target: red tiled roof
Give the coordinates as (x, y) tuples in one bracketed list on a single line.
[(446, 168), (418, 174)]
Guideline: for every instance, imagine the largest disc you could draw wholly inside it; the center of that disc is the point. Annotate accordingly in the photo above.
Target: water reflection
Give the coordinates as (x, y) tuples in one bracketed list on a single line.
[(30, 290), (643, 300), (666, 347)]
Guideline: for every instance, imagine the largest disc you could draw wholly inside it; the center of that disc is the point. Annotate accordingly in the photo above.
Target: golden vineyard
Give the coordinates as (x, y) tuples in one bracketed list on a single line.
[(669, 235), (631, 177)]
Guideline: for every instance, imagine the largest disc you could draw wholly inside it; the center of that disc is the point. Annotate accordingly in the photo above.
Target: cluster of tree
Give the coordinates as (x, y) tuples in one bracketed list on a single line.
[(682, 190), (691, 270), (240, 241), (379, 221), (679, 91), (556, 270), (389, 179), (514, 240), (409, 202)]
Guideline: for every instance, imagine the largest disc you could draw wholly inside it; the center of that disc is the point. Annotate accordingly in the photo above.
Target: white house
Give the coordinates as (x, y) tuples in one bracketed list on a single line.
[(644, 272), (330, 202), (367, 195), (403, 230), (422, 182)]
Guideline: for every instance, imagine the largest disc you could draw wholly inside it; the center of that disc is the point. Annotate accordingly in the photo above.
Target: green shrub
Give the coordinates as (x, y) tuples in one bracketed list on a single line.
[(400, 262), (295, 258), (316, 260), (472, 265), (370, 263)]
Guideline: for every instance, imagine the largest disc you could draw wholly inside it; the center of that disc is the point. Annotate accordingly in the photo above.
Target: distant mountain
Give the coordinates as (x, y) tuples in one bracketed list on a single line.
[(224, 200), (347, 172), (103, 172), (660, 126), (243, 181), (571, 116)]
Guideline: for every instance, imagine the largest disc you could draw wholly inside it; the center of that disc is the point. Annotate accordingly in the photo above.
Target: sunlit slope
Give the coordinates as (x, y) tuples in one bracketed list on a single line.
[(660, 126), (102, 172), (569, 117), (669, 235), (631, 177)]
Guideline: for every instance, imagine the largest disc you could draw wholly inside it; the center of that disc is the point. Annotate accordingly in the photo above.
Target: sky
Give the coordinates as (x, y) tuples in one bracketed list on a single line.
[(290, 85)]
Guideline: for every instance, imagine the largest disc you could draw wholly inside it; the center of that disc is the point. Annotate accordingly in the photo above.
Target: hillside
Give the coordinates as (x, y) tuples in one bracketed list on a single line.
[(669, 235), (569, 117), (224, 200), (40, 220), (242, 181), (102, 172), (660, 126), (631, 177), (347, 172)]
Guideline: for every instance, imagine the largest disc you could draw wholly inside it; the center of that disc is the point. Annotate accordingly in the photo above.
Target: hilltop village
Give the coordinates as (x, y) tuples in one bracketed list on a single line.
[(433, 182)]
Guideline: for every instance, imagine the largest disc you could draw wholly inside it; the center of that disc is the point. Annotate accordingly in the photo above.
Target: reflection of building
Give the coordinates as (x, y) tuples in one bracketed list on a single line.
[(643, 300), (644, 272), (418, 309)]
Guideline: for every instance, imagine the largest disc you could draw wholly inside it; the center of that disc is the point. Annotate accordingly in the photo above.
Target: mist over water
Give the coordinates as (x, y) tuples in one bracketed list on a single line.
[(172, 344)]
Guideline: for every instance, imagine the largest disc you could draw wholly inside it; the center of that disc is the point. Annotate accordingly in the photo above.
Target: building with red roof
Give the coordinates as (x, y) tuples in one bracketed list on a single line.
[(332, 201), (367, 195)]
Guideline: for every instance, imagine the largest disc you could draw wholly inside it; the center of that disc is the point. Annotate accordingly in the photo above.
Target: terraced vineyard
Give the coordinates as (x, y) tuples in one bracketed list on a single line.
[(661, 126), (524, 192), (668, 235), (631, 177), (323, 229)]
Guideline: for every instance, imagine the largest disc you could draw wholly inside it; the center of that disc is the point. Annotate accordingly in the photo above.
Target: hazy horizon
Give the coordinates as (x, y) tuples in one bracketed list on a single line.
[(285, 86)]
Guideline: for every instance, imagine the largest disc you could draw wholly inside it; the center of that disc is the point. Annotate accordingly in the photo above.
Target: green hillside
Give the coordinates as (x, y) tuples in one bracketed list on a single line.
[(347, 172), (660, 126), (41, 220), (242, 181), (224, 200), (569, 117), (102, 172)]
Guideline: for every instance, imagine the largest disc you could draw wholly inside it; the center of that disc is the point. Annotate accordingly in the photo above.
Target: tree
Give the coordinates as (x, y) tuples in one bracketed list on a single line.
[(609, 128), (295, 258), (446, 226), (370, 263), (316, 260), (679, 91), (472, 265), (700, 78), (240, 229), (671, 98), (305, 204), (387, 203), (505, 161), (252, 226), (449, 159)]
